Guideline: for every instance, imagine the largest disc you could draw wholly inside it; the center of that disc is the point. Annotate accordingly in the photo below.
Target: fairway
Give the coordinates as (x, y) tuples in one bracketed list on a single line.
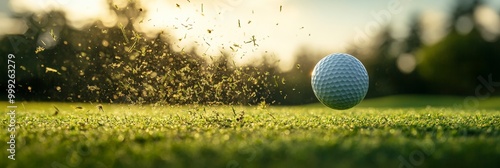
[(251, 136)]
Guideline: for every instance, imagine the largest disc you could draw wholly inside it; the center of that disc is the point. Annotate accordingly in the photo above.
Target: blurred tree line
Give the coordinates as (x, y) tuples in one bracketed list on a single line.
[(117, 64), (452, 66)]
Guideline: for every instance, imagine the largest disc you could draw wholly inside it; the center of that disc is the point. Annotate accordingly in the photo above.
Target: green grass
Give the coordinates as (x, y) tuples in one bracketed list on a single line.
[(213, 136), (419, 101)]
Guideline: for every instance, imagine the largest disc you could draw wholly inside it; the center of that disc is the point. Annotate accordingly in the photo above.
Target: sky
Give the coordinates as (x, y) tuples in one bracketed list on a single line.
[(250, 29)]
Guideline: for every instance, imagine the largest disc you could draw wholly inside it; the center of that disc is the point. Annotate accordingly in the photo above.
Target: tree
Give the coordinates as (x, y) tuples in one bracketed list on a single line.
[(453, 65)]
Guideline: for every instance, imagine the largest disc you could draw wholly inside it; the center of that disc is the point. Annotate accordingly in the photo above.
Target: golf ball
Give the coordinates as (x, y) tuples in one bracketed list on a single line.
[(340, 81)]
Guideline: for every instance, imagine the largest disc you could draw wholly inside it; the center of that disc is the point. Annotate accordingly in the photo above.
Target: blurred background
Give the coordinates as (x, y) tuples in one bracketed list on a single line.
[(244, 52)]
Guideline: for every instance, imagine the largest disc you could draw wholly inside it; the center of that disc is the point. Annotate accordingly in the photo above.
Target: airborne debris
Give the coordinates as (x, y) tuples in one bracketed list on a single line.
[(144, 70), (92, 88), (54, 36), (57, 110), (122, 28), (254, 40), (48, 69), (99, 107), (262, 105), (241, 117), (234, 111), (39, 49)]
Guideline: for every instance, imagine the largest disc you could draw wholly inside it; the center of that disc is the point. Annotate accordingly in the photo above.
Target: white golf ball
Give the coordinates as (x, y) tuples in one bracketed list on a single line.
[(340, 81)]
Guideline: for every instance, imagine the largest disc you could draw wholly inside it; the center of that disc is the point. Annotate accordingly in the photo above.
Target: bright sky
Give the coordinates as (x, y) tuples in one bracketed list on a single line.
[(248, 29)]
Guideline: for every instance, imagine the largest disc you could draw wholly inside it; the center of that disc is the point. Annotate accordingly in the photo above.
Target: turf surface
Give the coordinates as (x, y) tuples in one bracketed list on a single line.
[(217, 136)]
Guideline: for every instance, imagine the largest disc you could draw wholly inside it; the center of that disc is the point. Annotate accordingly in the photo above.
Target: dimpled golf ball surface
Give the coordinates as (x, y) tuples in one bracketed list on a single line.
[(340, 81)]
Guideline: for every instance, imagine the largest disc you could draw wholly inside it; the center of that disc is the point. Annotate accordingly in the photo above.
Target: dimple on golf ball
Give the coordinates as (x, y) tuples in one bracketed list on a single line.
[(340, 81)]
